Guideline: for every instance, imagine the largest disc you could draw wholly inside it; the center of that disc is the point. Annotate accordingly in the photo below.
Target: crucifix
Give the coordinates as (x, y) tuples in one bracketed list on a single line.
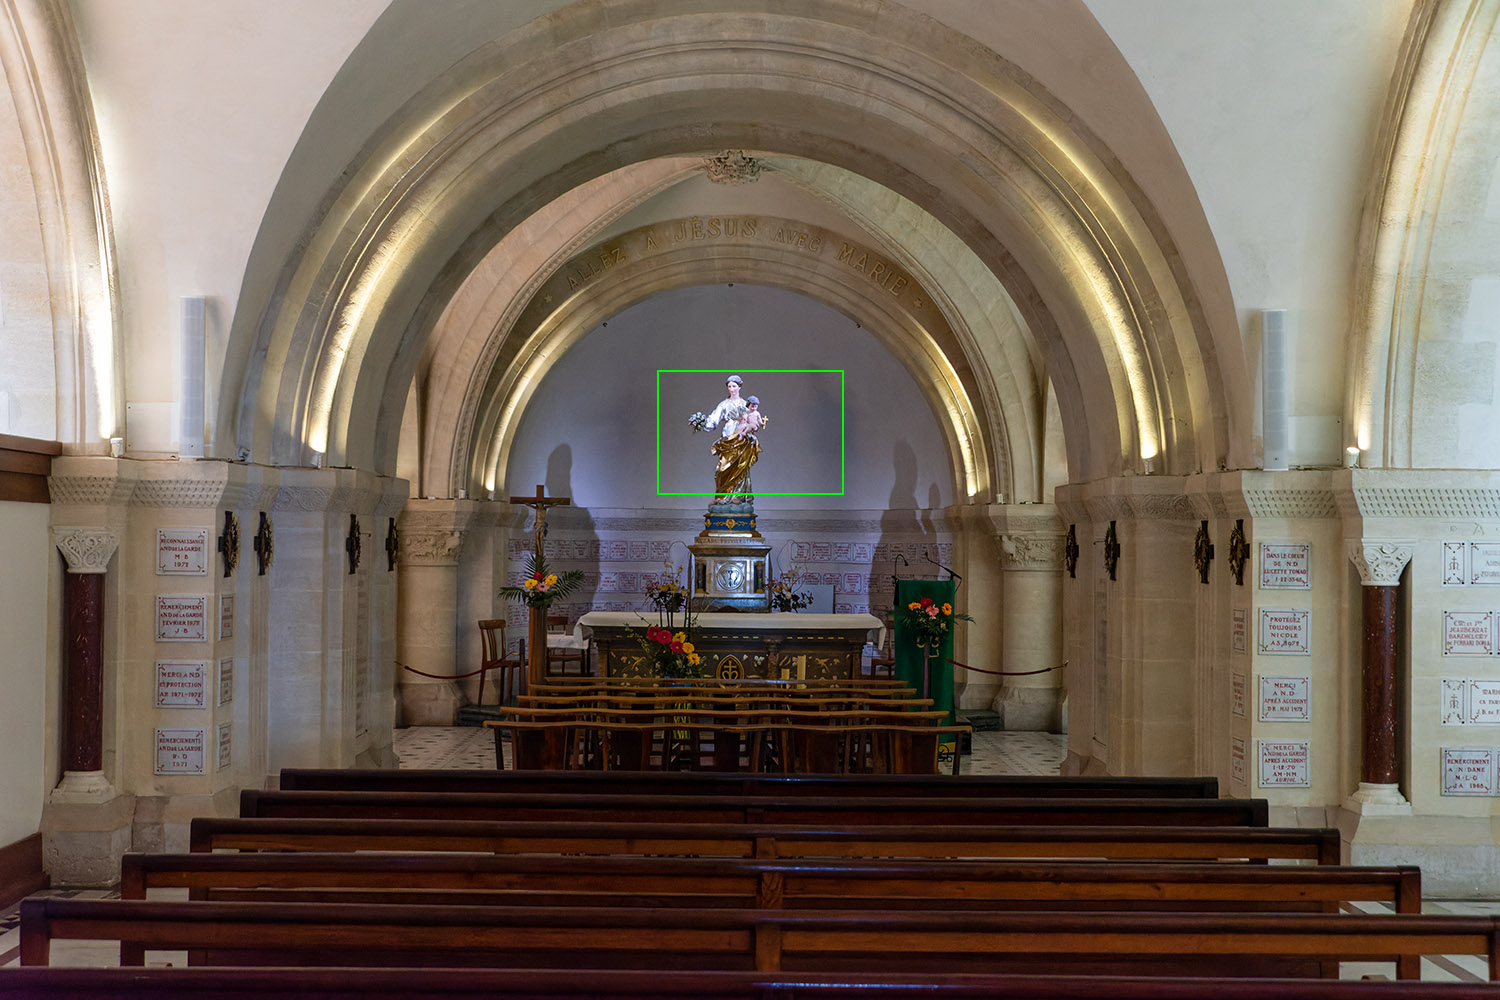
[(541, 502), (536, 630)]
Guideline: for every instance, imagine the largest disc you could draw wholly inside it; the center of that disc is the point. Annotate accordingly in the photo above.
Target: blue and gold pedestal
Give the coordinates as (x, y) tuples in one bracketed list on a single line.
[(731, 562)]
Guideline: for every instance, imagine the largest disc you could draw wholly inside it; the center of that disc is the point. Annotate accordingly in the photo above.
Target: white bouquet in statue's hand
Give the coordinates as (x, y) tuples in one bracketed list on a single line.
[(698, 421)]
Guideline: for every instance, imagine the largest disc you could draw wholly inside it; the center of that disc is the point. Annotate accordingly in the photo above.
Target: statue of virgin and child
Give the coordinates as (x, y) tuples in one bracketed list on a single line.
[(737, 448)]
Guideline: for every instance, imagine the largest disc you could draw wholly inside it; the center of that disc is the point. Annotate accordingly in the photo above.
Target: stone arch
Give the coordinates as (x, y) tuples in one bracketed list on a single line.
[(39, 51), (1424, 240), (1145, 380), (633, 266)]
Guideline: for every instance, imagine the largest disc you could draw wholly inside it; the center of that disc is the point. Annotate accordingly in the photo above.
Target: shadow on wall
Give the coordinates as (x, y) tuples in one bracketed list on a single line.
[(905, 533)]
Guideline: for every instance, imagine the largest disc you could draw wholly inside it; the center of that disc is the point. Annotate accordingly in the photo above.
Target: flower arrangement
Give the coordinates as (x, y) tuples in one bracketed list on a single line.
[(783, 592), (542, 586), (668, 649), (928, 621)]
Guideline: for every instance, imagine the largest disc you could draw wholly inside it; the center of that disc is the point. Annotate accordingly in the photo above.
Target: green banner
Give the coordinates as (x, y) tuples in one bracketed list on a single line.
[(909, 655)]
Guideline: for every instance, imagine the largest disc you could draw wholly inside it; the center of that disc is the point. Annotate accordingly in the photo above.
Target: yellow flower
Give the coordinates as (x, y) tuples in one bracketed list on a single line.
[(687, 647), (693, 658), (947, 609), (680, 637), (551, 579), (530, 584), (913, 606)]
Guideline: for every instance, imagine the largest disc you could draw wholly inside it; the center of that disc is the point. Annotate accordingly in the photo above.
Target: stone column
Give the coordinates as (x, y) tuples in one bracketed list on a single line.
[(86, 823), (1031, 637), (432, 533), (1380, 564)]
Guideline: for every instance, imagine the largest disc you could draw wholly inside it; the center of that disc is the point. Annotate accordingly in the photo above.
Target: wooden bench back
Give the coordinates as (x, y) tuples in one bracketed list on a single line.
[(756, 840), (700, 783), (791, 810), (1162, 944)]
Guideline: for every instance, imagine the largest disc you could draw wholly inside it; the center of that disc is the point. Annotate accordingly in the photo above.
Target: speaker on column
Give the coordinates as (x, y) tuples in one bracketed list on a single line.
[(1275, 389), (190, 392)]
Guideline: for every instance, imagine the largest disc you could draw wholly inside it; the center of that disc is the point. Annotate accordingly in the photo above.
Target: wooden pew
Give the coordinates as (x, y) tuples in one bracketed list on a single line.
[(766, 884), (1159, 944), (700, 783), (43, 983), (789, 810), (756, 840)]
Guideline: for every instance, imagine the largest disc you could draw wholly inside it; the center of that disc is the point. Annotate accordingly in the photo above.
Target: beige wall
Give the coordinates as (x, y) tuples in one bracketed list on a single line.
[(27, 666)]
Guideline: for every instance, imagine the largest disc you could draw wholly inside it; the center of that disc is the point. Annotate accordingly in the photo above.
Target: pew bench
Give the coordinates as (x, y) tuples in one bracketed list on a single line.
[(1105, 942), (765, 884), (757, 840), (44, 983), (788, 810), (699, 782)]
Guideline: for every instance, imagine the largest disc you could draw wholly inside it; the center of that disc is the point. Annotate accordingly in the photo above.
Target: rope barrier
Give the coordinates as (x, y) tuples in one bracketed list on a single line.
[(1010, 673), (453, 677)]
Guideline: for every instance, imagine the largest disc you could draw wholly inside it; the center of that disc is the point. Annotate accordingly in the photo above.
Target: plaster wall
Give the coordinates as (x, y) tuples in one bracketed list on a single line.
[(27, 600), (28, 406), (198, 108), (1274, 107)]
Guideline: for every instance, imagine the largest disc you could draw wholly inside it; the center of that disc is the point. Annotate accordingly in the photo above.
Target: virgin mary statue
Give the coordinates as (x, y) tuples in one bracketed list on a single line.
[(738, 445)]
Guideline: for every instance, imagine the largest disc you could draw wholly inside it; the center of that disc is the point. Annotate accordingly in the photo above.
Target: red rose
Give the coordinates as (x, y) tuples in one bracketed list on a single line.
[(664, 637), (926, 602), (651, 633), (676, 647)]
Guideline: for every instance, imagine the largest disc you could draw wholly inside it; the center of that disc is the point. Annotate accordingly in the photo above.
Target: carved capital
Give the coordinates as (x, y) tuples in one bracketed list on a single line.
[(87, 550), (1031, 552), (428, 547), (1379, 562)]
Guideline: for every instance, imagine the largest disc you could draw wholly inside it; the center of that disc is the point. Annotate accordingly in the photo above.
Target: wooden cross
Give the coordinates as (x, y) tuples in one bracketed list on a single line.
[(541, 502)]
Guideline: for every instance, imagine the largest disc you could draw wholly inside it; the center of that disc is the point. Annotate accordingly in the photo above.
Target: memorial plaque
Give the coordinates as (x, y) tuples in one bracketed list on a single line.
[(226, 616), (1285, 699), (226, 680), (179, 751), (1283, 764), (1285, 566), (1285, 631), (181, 684), (181, 618), (1237, 760), (1468, 633), (1237, 694), (1484, 563), (182, 552), (225, 741), (1455, 564), (1468, 771), (1239, 630), (1470, 701)]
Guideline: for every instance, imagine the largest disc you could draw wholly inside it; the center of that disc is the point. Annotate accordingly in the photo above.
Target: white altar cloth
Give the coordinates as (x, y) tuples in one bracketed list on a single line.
[(747, 621)]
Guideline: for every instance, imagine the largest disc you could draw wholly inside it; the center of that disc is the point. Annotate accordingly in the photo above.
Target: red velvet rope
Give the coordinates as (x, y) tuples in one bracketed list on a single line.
[(456, 677)]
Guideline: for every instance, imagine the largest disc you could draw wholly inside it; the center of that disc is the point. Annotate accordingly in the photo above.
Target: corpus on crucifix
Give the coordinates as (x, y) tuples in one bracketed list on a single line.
[(536, 623)]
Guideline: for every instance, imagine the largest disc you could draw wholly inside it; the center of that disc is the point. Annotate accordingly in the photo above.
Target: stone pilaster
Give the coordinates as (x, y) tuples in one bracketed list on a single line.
[(1032, 692), (432, 536), (1380, 564)]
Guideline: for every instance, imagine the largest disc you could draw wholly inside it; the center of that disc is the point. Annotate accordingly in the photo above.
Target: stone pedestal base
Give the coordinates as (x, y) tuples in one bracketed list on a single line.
[(86, 828), (1372, 799), (730, 571), (430, 703), (1029, 709)]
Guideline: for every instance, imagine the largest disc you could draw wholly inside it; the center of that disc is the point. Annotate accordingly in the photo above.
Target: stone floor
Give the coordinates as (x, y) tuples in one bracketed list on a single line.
[(993, 753)]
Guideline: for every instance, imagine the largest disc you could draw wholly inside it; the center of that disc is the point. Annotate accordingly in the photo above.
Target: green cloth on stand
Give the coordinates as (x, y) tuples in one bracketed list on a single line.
[(909, 655)]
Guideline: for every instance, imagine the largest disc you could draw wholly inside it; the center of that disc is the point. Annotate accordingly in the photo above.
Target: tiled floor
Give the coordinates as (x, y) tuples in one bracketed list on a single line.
[(993, 753)]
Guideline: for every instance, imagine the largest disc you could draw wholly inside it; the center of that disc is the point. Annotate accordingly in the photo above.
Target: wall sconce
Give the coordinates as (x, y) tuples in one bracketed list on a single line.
[(1351, 457)]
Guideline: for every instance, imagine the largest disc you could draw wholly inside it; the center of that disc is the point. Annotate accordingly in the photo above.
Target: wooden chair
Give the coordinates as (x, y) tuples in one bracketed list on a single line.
[(562, 656), (492, 633), (886, 658)]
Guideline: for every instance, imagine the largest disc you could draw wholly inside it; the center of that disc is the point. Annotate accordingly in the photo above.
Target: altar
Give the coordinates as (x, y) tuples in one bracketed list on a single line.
[(739, 645)]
